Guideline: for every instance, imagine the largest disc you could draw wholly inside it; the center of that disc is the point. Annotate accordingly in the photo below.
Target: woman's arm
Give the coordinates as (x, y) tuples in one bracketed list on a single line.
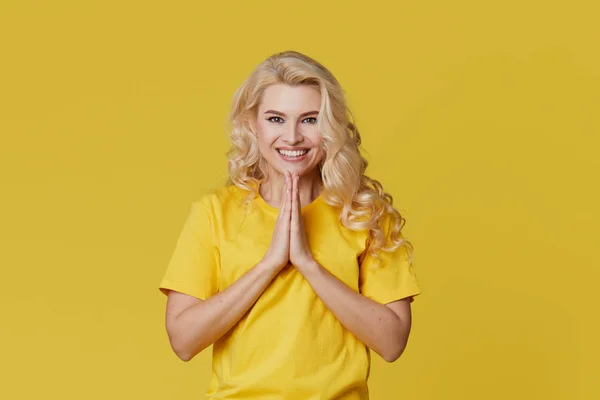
[(383, 328), (194, 324)]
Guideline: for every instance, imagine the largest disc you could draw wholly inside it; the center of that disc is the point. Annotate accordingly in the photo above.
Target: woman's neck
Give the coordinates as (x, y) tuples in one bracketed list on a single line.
[(309, 187)]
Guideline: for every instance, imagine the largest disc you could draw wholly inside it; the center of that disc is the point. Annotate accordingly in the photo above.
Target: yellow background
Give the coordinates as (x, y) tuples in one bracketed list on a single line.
[(481, 118)]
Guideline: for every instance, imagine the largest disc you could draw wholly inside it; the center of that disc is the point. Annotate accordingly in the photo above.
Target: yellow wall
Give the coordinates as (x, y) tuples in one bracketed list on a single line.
[(480, 118)]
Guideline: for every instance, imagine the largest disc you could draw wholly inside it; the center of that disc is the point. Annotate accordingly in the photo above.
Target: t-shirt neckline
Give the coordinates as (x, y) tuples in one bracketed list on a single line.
[(274, 210)]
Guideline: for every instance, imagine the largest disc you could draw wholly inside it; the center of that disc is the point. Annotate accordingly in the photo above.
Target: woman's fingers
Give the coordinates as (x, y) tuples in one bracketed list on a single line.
[(284, 209), (295, 200), (282, 204), (288, 198)]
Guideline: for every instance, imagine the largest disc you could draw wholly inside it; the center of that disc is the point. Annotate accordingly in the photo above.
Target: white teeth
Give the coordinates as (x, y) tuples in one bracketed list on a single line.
[(293, 153)]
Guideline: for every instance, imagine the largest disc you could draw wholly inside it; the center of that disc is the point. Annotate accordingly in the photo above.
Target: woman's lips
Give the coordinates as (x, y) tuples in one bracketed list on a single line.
[(293, 158)]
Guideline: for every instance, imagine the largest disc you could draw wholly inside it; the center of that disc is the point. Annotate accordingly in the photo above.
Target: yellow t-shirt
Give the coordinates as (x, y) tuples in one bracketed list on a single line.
[(288, 345)]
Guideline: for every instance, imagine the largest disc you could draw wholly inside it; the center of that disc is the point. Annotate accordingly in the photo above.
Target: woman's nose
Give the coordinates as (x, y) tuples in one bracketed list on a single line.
[(292, 134)]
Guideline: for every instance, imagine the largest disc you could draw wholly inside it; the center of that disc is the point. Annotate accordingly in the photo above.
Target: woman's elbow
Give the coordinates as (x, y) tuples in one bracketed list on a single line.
[(184, 350), (180, 350), (184, 353), (186, 357), (391, 357), (394, 352)]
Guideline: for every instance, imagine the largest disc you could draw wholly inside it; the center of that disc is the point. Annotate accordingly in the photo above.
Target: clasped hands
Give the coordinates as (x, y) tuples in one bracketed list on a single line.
[(289, 236)]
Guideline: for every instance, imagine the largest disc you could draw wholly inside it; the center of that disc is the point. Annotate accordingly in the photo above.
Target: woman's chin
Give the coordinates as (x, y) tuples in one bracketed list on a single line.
[(303, 168)]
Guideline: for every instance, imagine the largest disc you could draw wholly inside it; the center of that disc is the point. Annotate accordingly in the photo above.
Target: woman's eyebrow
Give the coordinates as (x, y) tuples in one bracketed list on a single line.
[(283, 114)]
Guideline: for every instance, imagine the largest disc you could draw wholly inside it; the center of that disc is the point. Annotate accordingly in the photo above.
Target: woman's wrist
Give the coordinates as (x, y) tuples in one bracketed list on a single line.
[(267, 264), (307, 265)]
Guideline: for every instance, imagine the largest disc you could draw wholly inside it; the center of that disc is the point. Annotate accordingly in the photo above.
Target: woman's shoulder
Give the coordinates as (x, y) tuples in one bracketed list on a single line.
[(221, 198)]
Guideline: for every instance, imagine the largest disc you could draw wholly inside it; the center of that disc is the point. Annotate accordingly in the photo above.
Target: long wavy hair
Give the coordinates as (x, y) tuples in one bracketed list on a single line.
[(362, 200)]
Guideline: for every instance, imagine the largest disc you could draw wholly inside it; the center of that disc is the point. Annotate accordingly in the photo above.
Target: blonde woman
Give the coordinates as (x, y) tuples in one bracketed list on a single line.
[(296, 268)]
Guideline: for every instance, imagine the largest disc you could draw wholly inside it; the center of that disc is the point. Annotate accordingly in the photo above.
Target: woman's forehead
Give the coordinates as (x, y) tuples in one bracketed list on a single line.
[(291, 99)]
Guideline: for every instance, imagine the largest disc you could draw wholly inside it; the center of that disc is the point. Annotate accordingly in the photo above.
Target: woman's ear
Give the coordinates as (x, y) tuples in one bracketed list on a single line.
[(252, 125)]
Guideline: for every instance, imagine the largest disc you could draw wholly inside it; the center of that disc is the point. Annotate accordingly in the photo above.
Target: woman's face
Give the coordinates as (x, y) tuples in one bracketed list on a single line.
[(286, 127)]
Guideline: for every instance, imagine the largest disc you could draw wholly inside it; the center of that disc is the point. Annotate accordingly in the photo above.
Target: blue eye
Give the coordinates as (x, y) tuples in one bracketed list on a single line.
[(271, 119)]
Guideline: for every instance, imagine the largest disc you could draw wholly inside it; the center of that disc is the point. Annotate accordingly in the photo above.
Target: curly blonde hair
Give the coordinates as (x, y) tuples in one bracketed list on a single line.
[(363, 202)]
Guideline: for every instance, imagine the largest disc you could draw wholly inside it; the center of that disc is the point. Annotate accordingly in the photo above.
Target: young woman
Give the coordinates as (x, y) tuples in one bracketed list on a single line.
[(297, 267)]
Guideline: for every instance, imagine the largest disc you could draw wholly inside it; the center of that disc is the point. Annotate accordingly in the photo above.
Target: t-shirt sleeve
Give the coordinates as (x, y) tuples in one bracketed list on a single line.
[(193, 268), (390, 278)]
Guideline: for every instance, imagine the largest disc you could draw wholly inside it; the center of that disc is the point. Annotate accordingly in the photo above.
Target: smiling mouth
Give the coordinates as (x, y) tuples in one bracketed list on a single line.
[(293, 153)]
